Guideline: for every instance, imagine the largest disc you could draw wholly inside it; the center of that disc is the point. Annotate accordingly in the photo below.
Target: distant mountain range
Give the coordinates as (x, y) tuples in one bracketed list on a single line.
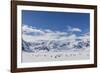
[(55, 45)]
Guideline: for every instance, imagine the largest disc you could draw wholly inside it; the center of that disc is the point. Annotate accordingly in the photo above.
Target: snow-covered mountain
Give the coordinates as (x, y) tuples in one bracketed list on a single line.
[(55, 45)]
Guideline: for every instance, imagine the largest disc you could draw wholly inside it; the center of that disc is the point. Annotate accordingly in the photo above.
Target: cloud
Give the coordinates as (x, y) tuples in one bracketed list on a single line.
[(85, 36), (30, 29), (44, 34), (47, 34), (48, 31), (74, 29)]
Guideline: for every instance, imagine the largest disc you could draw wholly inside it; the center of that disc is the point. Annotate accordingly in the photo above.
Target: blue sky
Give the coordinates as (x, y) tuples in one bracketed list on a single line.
[(56, 21)]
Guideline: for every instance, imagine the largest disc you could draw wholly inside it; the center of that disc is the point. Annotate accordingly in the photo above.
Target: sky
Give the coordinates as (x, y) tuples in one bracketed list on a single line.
[(56, 21)]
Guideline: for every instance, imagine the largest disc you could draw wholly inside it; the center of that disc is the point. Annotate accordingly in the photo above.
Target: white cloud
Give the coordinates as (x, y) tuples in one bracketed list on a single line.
[(85, 36), (48, 31), (29, 29), (74, 29), (47, 34)]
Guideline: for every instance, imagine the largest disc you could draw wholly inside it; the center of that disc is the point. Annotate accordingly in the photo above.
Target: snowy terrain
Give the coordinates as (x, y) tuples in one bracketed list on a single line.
[(53, 46)]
